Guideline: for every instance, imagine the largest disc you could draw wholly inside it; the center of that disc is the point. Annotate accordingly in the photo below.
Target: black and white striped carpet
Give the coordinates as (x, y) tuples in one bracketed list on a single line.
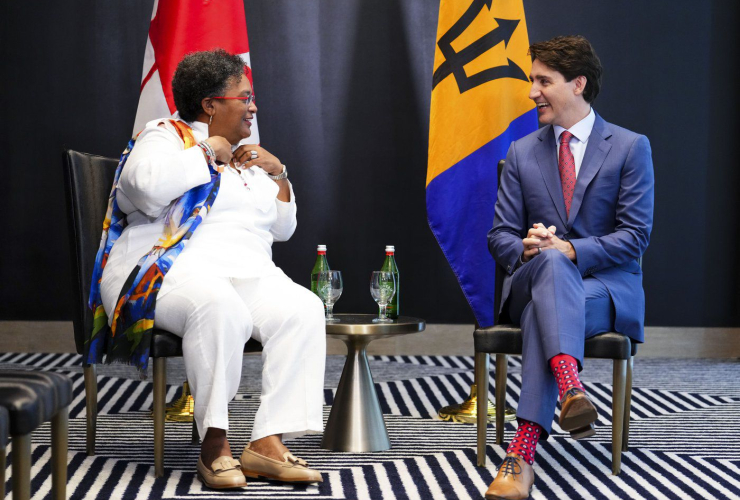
[(684, 436)]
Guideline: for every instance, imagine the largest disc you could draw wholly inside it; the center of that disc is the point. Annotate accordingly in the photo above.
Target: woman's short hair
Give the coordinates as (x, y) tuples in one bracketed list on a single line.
[(200, 75), (571, 56)]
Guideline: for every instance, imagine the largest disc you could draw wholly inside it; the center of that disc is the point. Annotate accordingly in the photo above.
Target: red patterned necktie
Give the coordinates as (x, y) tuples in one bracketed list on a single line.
[(567, 168)]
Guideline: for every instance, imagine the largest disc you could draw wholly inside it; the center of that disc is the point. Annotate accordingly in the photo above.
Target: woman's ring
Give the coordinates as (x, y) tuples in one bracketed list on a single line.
[(539, 250), (254, 154)]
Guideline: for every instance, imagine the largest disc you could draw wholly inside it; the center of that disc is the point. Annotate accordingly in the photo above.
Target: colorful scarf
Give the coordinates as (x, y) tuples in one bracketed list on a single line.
[(128, 340)]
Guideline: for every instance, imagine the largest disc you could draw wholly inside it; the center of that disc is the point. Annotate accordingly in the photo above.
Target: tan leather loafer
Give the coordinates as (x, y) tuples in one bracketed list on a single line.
[(577, 412), (514, 480), (290, 470), (225, 473)]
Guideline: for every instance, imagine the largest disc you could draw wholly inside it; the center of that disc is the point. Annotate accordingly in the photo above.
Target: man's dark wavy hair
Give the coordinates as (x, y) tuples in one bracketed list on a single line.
[(571, 56), (203, 74)]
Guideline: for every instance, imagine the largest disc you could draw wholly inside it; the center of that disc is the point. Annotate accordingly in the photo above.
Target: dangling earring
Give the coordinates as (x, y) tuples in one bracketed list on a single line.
[(210, 120)]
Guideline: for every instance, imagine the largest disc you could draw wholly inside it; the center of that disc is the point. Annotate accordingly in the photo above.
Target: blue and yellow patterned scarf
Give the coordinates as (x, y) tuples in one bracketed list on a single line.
[(128, 340)]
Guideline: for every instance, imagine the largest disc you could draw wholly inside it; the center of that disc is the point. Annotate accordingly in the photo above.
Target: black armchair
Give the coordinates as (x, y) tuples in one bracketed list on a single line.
[(88, 181)]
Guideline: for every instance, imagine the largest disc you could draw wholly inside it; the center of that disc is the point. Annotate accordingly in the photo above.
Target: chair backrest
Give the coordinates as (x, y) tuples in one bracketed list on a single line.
[(500, 271), (87, 180)]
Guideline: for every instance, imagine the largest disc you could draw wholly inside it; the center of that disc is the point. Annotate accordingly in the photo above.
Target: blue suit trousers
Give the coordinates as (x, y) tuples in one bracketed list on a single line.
[(557, 310)]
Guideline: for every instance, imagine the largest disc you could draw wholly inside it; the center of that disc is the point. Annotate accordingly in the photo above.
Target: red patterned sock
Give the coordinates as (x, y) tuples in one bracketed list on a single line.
[(565, 369), (525, 441)]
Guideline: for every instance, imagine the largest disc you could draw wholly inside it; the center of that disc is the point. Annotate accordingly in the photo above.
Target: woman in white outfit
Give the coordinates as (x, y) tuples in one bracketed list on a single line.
[(224, 288)]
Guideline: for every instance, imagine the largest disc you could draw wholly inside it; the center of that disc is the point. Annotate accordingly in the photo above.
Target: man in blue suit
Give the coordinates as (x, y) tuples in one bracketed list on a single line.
[(573, 216)]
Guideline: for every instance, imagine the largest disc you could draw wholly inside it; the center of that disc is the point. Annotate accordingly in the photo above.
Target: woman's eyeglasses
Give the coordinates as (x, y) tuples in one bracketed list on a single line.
[(247, 100)]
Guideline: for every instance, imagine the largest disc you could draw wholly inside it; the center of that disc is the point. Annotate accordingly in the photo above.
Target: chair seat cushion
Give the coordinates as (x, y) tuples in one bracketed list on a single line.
[(169, 345), (507, 339), (33, 397), (25, 406), (499, 339), (61, 384), (610, 345)]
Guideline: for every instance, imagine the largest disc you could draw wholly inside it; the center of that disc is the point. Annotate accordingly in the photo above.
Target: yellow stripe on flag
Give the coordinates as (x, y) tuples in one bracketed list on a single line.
[(462, 121)]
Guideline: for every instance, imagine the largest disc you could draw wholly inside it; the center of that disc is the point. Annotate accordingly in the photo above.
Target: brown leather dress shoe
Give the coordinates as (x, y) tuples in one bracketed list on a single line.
[(290, 470), (514, 480), (577, 414), (583, 432), (225, 473)]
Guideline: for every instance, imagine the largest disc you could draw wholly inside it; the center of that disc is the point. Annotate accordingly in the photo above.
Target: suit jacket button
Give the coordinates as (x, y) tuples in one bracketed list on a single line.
[(566, 236)]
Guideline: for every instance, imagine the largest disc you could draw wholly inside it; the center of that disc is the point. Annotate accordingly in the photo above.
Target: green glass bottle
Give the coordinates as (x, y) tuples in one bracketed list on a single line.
[(321, 265), (389, 266)]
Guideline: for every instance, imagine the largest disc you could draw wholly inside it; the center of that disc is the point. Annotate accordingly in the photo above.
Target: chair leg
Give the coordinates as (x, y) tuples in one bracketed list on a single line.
[(160, 380), (627, 405), (91, 405), (619, 386), (59, 430), (481, 384), (501, 367), (3, 465), (21, 467), (195, 439)]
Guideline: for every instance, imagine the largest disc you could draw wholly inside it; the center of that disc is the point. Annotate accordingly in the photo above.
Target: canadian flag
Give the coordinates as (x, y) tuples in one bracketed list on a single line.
[(179, 27)]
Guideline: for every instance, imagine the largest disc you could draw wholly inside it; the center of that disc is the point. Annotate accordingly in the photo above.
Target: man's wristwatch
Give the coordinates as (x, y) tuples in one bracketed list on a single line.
[(282, 175)]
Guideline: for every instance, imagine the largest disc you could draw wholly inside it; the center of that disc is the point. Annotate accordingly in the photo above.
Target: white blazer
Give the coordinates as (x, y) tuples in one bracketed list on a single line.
[(235, 238)]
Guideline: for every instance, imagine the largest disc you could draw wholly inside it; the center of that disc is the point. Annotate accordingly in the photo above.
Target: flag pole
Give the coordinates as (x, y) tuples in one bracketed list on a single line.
[(173, 33), (479, 105)]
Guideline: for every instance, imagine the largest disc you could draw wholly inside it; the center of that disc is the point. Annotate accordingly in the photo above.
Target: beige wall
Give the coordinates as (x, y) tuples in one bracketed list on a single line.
[(57, 336)]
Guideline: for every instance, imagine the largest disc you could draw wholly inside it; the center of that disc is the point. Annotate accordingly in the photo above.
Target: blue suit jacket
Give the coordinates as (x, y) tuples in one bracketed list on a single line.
[(610, 219)]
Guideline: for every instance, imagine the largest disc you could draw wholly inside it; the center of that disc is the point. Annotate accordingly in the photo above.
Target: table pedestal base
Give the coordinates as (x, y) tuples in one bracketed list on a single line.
[(356, 421)]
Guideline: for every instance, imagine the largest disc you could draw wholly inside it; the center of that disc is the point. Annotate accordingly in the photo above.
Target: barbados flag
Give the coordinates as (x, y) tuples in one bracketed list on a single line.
[(479, 106)]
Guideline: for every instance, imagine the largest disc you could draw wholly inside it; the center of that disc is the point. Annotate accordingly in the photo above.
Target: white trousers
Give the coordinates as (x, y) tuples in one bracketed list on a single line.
[(216, 316)]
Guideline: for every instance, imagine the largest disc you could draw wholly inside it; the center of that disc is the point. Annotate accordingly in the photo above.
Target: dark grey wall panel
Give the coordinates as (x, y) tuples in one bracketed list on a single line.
[(343, 93)]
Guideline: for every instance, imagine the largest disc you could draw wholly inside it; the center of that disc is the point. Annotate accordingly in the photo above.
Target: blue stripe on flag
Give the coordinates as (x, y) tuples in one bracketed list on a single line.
[(460, 207)]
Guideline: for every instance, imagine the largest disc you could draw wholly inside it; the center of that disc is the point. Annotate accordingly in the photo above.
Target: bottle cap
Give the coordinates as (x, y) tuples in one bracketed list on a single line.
[(321, 248), (390, 248)]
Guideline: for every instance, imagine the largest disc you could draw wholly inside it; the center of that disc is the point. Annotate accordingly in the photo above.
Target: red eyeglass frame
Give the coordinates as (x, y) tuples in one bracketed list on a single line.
[(249, 99)]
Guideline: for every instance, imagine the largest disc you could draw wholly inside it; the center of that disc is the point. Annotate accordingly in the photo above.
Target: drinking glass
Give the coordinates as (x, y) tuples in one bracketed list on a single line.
[(329, 288), (382, 288)]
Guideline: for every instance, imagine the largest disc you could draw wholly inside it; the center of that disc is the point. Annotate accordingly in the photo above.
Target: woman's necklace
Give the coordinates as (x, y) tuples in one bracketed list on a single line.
[(241, 177)]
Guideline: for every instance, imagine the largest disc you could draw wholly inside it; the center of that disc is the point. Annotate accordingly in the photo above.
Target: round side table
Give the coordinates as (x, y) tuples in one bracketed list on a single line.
[(356, 421)]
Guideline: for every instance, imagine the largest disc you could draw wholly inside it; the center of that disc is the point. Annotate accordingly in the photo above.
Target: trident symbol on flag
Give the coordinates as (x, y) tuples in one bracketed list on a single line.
[(455, 61)]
